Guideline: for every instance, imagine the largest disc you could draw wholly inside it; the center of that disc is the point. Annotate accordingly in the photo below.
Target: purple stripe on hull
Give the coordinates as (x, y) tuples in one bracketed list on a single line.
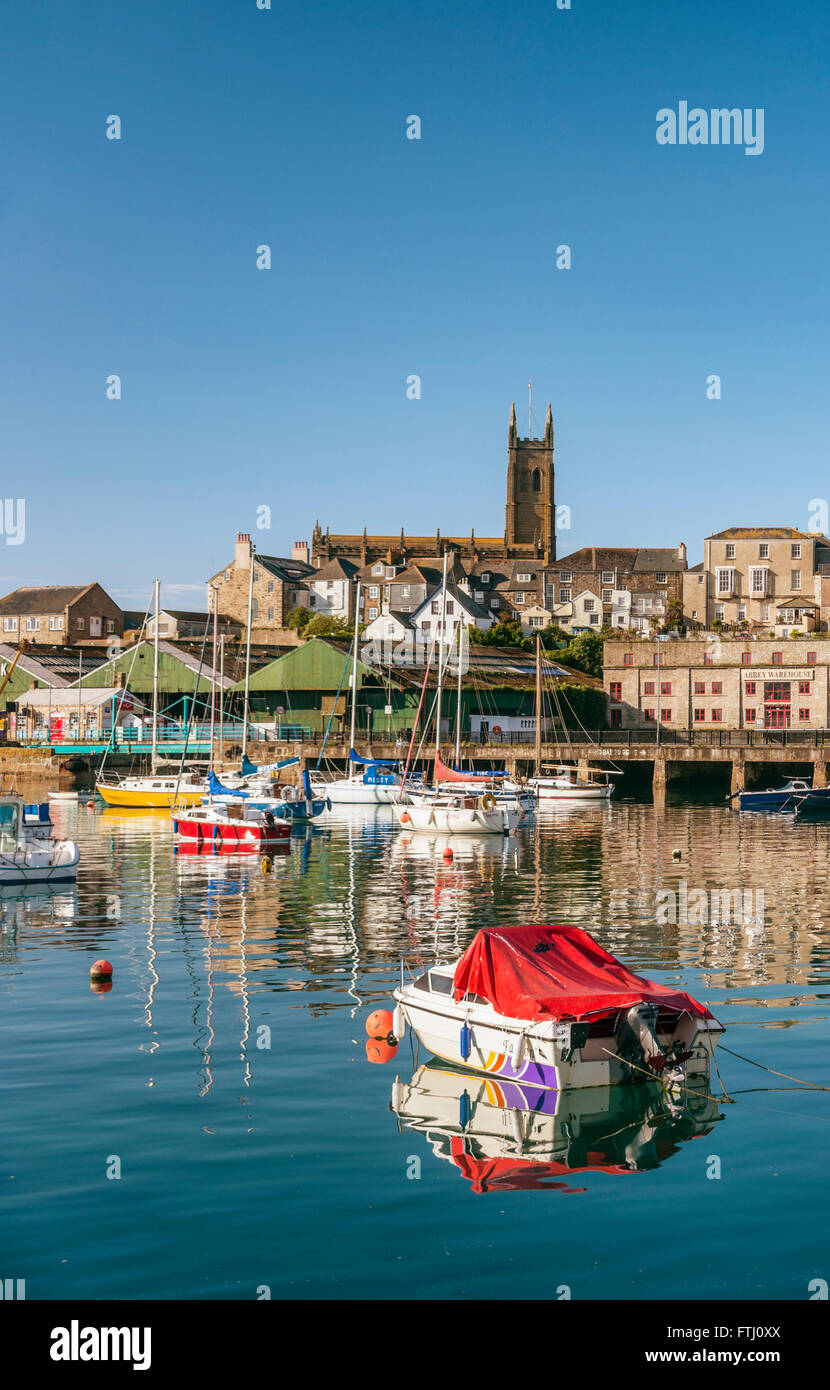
[(542, 1100), (530, 1074)]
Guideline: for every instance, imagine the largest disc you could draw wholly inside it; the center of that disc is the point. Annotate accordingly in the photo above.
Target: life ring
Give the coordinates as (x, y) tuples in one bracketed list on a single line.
[(488, 801)]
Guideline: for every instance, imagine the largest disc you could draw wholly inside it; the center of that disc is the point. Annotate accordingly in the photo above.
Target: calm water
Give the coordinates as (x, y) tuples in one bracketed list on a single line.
[(244, 1165)]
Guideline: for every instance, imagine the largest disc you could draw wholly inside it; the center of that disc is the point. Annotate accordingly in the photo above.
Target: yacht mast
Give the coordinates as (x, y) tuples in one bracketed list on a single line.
[(440, 670), (538, 704), (354, 672), (154, 753), (458, 701), (213, 681), (252, 553)]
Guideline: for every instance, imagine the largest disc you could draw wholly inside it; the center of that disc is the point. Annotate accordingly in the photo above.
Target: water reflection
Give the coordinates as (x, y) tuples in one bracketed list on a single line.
[(503, 1137)]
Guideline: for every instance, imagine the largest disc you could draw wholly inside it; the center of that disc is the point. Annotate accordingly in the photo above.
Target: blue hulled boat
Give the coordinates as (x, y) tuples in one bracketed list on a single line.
[(796, 795)]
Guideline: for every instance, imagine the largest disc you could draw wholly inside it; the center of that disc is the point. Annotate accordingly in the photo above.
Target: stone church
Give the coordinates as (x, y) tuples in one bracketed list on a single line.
[(530, 518)]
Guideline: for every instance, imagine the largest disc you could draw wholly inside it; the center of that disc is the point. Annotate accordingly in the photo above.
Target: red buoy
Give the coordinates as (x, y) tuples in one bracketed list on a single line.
[(379, 1023), (448, 855), (90, 803), (102, 970), (378, 1050)]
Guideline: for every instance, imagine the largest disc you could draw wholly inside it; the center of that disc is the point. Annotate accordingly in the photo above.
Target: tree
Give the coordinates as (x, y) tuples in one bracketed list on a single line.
[(298, 619), (321, 626), (585, 654)]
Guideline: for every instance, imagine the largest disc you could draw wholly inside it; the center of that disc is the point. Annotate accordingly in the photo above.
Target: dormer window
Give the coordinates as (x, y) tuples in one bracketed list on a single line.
[(378, 569), (485, 578)]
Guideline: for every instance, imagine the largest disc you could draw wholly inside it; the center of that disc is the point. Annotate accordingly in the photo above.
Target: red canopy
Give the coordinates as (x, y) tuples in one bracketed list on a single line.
[(556, 972), (448, 774)]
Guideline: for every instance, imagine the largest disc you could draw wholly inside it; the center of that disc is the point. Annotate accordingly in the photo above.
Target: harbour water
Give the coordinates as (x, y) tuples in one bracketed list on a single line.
[(224, 1075)]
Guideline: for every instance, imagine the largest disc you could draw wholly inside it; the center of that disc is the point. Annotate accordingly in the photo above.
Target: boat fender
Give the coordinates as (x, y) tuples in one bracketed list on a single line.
[(175, 827), (405, 818), (328, 803), (465, 1042), (216, 833), (518, 1132), (465, 1110), (488, 801), (398, 1024), (517, 1051), (397, 1095)]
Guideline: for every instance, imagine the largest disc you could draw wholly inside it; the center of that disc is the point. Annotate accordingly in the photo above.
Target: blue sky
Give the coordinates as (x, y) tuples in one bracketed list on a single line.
[(286, 388)]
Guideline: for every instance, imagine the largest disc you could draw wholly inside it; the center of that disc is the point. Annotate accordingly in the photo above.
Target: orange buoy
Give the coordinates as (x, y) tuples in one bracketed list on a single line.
[(447, 854), (405, 818), (90, 803), (379, 1023), (102, 970), (379, 1050), (100, 986)]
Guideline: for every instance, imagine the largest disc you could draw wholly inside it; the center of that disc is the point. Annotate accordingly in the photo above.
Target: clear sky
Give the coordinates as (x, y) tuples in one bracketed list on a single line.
[(286, 388)]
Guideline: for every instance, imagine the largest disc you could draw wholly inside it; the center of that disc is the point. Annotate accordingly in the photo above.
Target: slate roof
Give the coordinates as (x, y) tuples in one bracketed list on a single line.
[(334, 569), (42, 598), (762, 533)]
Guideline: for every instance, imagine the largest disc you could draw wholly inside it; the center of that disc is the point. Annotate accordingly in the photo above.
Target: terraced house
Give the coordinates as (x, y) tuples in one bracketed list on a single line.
[(60, 614), (773, 578), (615, 586)]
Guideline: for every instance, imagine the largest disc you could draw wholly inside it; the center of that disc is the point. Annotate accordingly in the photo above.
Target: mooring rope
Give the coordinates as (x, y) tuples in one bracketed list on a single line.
[(811, 1085)]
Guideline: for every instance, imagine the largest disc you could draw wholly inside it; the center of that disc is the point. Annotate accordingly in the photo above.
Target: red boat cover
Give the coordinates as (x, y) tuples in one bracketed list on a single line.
[(556, 972)]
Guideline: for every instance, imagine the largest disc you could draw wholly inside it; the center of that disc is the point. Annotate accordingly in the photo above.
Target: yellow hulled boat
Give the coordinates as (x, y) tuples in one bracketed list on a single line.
[(153, 792)]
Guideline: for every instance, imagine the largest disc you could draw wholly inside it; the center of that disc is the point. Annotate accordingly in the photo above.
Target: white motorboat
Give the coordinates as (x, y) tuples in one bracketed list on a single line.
[(28, 853), (567, 785), (230, 825), (505, 1137), (498, 787), (377, 785), (446, 814), (63, 796), (547, 1006)]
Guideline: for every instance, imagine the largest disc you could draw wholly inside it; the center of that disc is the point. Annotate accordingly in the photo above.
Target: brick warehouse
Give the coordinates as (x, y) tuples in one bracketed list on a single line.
[(712, 684)]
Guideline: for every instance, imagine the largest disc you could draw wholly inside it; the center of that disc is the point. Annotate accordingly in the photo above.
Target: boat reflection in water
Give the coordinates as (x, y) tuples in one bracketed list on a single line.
[(503, 1137)]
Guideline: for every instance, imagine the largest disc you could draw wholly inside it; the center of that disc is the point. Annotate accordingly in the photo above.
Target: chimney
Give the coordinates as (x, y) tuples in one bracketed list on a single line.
[(681, 551), (242, 550), (299, 551)]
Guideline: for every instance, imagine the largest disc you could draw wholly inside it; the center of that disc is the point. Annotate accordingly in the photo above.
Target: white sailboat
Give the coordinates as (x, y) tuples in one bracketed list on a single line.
[(368, 782), (28, 853)]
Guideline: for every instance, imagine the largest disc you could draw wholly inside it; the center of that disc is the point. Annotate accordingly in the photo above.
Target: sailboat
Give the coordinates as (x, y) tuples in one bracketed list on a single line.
[(154, 790), (369, 781), (461, 810), (563, 782)]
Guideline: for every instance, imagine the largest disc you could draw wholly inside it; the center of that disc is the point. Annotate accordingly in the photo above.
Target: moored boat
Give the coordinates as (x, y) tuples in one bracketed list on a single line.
[(566, 785), (230, 824), (28, 852), (797, 794), (446, 814), (547, 1006)]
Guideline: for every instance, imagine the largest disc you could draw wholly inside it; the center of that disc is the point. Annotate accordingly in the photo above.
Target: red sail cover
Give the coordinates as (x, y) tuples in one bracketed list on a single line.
[(448, 774), (556, 972)]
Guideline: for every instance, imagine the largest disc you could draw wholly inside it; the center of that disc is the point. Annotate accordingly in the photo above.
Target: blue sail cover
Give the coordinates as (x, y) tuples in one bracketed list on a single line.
[(249, 768), (373, 762), (217, 788)]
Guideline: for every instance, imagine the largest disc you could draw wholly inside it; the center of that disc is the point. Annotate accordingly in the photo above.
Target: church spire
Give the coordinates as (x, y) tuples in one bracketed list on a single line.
[(512, 429), (549, 426)]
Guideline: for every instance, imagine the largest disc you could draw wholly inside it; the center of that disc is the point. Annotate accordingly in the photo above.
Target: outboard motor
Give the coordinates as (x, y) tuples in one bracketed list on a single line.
[(636, 1037)]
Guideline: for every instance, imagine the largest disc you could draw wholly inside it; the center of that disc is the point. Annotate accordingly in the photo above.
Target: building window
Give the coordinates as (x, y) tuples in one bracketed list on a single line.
[(56, 624), (450, 606), (749, 716), (700, 715), (777, 691), (520, 598), (795, 580), (648, 687), (665, 716), (707, 659), (565, 576), (588, 604), (478, 596), (404, 591), (616, 718), (804, 687), (110, 624), (720, 613), (804, 714), (717, 716), (795, 552), (749, 687), (811, 658), (378, 569), (777, 658), (373, 612), (615, 690), (763, 551), (758, 579), (764, 612), (700, 688), (10, 624), (33, 624), (741, 613), (537, 622), (665, 687), (656, 660), (606, 595), (717, 687), (271, 586), (80, 624), (524, 578), (608, 576), (373, 590), (746, 658), (594, 618), (661, 577), (485, 578), (628, 659), (730, 551), (435, 606), (565, 595), (648, 715), (254, 608), (270, 615)]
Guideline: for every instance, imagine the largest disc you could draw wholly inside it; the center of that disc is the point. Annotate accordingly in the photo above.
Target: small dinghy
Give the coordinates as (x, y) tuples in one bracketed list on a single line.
[(547, 1006), (63, 796), (28, 853), (796, 795)]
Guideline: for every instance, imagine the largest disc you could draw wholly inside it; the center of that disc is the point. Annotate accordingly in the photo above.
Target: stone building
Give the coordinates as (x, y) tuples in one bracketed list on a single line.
[(61, 614), (530, 518), (615, 586), (771, 578), (279, 585), (712, 684)]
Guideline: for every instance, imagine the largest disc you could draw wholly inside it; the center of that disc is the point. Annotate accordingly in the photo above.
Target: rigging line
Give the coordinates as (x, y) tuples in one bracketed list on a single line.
[(190, 717), (117, 711), (333, 708), (810, 1085), (417, 716)]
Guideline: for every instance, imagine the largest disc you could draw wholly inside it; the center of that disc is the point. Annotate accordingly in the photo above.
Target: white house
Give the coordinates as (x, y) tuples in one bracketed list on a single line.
[(450, 609), (587, 612), (331, 590), (534, 618)]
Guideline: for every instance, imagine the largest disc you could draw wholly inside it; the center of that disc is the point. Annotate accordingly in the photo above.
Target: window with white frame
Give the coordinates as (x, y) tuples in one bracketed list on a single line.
[(33, 624), (795, 552), (404, 591), (485, 578), (588, 605), (764, 612), (524, 578), (520, 598), (724, 580), (565, 576), (607, 595), (661, 577), (537, 622), (720, 613), (565, 595), (479, 595), (763, 551), (758, 579), (56, 623), (10, 624), (80, 624), (593, 618), (450, 606), (730, 551), (373, 612), (373, 590), (378, 569), (795, 580), (608, 576)]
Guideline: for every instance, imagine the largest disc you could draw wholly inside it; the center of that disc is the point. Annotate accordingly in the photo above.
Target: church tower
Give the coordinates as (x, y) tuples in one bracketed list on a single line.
[(530, 514)]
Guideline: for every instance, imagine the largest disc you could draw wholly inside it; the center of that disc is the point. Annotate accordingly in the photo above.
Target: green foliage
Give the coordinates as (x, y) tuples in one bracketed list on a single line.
[(321, 626), (298, 619), (581, 705), (585, 654)]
